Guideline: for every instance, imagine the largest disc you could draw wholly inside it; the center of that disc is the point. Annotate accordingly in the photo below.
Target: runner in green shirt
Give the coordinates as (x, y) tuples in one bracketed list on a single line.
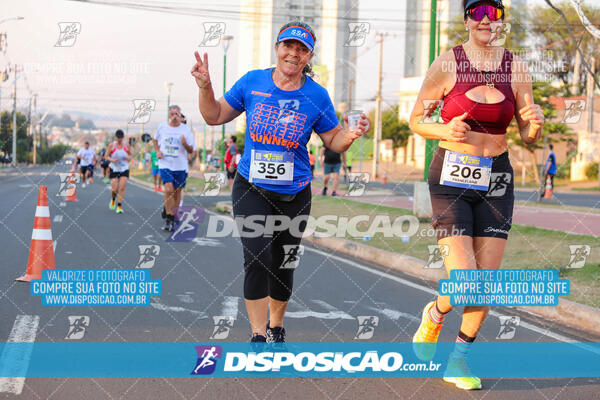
[(155, 174)]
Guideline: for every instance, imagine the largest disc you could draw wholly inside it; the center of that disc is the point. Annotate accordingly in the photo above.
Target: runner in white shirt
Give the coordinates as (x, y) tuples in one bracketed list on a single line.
[(86, 156), (172, 143), (119, 155)]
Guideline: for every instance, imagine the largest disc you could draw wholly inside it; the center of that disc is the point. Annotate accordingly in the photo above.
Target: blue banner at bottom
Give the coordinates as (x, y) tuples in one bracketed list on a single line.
[(226, 359)]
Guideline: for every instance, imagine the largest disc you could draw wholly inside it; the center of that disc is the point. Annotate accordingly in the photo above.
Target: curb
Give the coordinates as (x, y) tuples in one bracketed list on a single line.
[(224, 207), (575, 315)]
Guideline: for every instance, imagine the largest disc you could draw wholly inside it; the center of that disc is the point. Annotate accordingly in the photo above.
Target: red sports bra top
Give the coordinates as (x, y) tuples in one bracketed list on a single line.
[(482, 117)]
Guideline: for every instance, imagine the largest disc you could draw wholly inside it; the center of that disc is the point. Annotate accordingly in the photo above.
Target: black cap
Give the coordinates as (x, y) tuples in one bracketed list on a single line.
[(471, 3), (119, 133)]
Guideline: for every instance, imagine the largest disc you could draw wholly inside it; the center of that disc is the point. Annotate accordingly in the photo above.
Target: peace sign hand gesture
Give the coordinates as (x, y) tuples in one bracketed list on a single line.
[(200, 71)]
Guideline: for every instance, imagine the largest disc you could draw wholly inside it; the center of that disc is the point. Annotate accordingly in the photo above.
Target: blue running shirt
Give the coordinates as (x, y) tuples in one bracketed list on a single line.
[(281, 121)]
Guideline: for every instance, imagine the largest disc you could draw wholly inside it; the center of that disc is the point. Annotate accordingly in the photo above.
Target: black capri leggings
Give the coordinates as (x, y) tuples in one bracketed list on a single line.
[(264, 255)]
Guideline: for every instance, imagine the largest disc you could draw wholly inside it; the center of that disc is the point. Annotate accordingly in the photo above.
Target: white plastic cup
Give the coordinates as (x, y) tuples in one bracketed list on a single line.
[(353, 118)]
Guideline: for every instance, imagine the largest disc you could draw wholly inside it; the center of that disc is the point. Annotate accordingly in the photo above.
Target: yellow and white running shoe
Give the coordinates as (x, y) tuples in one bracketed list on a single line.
[(426, 337)]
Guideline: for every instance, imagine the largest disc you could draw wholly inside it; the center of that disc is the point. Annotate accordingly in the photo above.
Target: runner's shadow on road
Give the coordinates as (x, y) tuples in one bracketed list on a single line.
[(518, 384)]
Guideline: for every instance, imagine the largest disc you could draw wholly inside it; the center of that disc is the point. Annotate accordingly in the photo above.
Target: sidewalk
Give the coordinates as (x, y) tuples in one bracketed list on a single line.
[(575, 222)]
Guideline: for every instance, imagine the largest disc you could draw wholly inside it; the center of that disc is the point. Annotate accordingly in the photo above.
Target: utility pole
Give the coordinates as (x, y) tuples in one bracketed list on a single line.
[(431, 144), (576, 72), (28, 122), (168, 86), (590, 99), (204, 149), (590, 95), (362, 139), (377, 133), (33, 129), (14, 128)]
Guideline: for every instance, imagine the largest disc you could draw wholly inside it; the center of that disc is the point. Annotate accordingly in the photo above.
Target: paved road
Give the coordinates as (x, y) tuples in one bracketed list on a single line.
[(204, 279)]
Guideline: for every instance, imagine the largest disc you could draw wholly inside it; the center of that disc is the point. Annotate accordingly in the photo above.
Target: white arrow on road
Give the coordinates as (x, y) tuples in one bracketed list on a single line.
[(230, 306), (156, 303), (305, 312)]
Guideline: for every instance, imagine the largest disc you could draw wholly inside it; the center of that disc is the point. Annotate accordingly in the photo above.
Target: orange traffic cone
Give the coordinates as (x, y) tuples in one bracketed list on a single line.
[(41, 251), (548, 191), (72, 190)]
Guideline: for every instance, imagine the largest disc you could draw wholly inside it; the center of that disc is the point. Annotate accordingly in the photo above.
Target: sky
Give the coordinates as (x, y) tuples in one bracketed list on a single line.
[(122, 54)]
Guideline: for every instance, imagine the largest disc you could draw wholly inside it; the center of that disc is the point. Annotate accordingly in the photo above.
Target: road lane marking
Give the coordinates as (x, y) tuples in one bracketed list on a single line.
[(395, 314), (534, 328), (17, 360), (62, 204), (230, 306), (308, 313), (58, 218)]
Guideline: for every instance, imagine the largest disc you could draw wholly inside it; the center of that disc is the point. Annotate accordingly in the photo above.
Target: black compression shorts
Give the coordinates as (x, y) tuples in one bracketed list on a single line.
[(470, 212), (117, 175)]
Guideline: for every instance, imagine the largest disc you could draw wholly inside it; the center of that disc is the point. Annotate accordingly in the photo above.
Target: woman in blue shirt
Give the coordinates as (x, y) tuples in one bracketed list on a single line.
[(283, 106)]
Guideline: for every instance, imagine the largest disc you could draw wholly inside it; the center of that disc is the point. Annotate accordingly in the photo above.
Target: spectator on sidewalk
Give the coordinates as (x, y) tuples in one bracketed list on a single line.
[(231, 160), (332, 162), (155, 173), (550, 168), (312, 160)]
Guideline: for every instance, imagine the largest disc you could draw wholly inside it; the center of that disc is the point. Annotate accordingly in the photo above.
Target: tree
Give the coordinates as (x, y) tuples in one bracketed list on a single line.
[(24, 145), (64, 121), (84, 123), (550, 31), (554, 131), (391, 127), (53, 154)]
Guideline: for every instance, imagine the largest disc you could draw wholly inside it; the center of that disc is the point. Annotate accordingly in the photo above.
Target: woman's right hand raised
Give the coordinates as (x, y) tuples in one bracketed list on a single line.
[(457, 129), (200, 71)]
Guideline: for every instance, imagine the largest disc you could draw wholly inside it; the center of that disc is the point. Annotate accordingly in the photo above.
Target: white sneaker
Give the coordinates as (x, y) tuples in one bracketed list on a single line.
[(83, 185)]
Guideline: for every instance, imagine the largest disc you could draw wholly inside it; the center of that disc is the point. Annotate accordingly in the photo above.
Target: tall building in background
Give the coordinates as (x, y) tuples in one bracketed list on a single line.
[(416, 63), (417, 32), (260, 21)]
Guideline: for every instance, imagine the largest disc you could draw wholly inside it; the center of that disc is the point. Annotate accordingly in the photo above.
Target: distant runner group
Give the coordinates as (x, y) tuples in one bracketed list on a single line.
[(174, 150)]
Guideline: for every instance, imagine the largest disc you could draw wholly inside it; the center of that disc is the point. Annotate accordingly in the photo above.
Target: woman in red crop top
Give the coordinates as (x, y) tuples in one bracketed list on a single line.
[(481, 87)]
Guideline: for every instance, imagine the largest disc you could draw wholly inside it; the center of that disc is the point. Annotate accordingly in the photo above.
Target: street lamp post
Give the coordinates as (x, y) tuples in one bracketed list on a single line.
[(14, 139), (168, 86), (225, 42), (14, 127)]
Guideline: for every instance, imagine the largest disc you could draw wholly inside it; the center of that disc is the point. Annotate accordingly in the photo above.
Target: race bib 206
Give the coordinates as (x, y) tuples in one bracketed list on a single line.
[(466, 171)]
